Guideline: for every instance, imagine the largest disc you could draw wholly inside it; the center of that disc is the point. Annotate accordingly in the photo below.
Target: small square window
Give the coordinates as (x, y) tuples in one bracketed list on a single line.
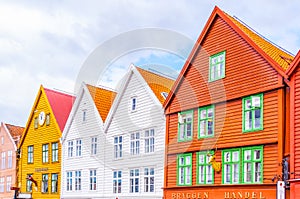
[(217, 66)]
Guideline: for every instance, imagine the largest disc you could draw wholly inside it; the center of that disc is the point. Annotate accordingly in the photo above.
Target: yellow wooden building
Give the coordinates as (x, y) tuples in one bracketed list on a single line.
[(39, 163)]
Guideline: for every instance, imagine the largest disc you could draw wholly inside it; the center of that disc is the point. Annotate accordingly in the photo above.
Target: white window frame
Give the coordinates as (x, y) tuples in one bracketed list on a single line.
[(70, 148), (134, 180), (69, 180), (3, 160), (149, 141), (133, 104), (93, 180), (1, 184), (45, 183), (117, 181), (94, 145), (77, 180), (135, 143), (118, 141), (78, 147), (149, 179), (8, 183), (9, 159)]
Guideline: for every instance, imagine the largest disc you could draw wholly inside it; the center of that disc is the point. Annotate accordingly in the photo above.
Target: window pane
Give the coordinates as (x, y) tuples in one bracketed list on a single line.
[(257, 154), (257, 118), (247, 155)]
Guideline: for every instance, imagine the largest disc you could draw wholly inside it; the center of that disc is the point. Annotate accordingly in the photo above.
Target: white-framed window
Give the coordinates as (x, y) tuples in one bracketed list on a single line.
[(44, 183), (36, 122), (185, 126), (1, 184), (93, 179), (45, 152), (9, 159), (78, 147), (28, 183), (133, 103), (149, 141), (134, 179), (8, 183), (118, 147), (3, 158), (77, 180), (55, 152), (94, 141), (205, 172), (117, 181), (54, 183), (135, 143), (148, 179), (70, 148), (48, 119), (217, 66), (2, 140), (84, 115), (69, 181), (30, 154)]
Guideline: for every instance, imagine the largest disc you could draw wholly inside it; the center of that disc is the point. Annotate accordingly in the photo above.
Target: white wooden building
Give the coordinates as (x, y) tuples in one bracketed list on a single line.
[(83, 144), (135, 137)]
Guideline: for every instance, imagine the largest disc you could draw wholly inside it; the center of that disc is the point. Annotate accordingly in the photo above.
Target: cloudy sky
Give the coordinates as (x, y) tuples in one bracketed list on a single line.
[(48, 42)]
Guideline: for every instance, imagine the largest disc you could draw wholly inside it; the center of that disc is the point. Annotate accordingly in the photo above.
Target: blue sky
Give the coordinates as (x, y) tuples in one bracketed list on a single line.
[(47, 42)]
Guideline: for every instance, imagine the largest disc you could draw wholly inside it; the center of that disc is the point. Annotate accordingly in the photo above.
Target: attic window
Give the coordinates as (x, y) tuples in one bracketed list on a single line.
[(84, 115), (36, 122), (217, 66), (48, 119), (164, 94), (133, 103)]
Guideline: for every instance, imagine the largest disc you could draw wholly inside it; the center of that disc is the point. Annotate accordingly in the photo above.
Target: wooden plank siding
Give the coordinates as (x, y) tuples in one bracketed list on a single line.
[(243, 64), (228, 127)]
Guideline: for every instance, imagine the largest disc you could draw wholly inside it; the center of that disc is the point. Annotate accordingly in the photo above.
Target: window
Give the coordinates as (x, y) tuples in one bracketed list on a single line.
[(30, 154), (55, 152), (77, 180), (78, 147), (1, 184), (205, 172), (117, 182), (54, 182), (118, 147), (149, 180), (44, 183), (133, 104), (3, 160), (70, 148), (8, 183), (48, 119), (252, 164), (83, 115), (94, 145), (45, 153), (9, 160), (184, 169), (134, 180), (185, 125), (36, 122), (69, 181), (217, 66), (206, 122), (164, 94), (149, 141), (2, 140), (93, 179), (135, 144), (253, 113), (231, 166), (28, 183)]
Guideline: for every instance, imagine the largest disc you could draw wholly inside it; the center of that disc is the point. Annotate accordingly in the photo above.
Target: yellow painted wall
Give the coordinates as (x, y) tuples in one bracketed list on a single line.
[(37, 137)]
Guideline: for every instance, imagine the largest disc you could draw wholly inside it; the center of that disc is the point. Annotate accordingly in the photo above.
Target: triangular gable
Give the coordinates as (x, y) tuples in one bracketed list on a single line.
[(14, 132), (293, 65), (257, 42), (61, 104), (142, 76)]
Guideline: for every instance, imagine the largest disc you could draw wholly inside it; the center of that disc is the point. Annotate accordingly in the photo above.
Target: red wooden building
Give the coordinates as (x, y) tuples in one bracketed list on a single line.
[(231, 102)]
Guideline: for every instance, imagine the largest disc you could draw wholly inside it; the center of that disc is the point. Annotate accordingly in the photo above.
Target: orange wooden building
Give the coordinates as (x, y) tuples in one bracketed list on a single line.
[(230, 102)]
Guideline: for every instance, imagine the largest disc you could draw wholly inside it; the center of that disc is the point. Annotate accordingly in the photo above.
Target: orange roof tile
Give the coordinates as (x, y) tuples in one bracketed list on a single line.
[(103, 99), (157, 83), (15, 131), (281, 57)]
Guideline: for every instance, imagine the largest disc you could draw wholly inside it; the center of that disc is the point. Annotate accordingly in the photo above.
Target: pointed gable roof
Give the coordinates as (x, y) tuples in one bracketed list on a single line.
[(293, 65), (275, 56), (61, 104), (15, 131), (103, 99), (157, 83)]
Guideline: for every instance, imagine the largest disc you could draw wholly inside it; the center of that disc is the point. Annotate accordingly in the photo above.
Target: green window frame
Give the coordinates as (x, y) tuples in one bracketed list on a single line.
[(253, 113), (206, 121), (45, 153), (217, 66), (231, 166), (252, 164), (205, 171), (184, 169), (185, 125), (55, 152)]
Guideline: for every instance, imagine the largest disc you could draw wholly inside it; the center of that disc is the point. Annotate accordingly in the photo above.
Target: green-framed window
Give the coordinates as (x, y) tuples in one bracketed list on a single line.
[(231, 166), (206, 121), (205, 172), (252, 164), (253, 113), (217, 66), (185, 125), (45, 153), (184, 169)]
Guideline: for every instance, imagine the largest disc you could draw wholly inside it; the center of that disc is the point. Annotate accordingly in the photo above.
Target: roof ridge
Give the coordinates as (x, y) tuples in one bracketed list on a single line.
[(160, 75), (61, 92)]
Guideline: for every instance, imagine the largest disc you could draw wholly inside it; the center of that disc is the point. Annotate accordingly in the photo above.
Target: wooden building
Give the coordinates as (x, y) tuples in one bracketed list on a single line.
[(10, 136), (39, 166), (83, 143), (230, 106)]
